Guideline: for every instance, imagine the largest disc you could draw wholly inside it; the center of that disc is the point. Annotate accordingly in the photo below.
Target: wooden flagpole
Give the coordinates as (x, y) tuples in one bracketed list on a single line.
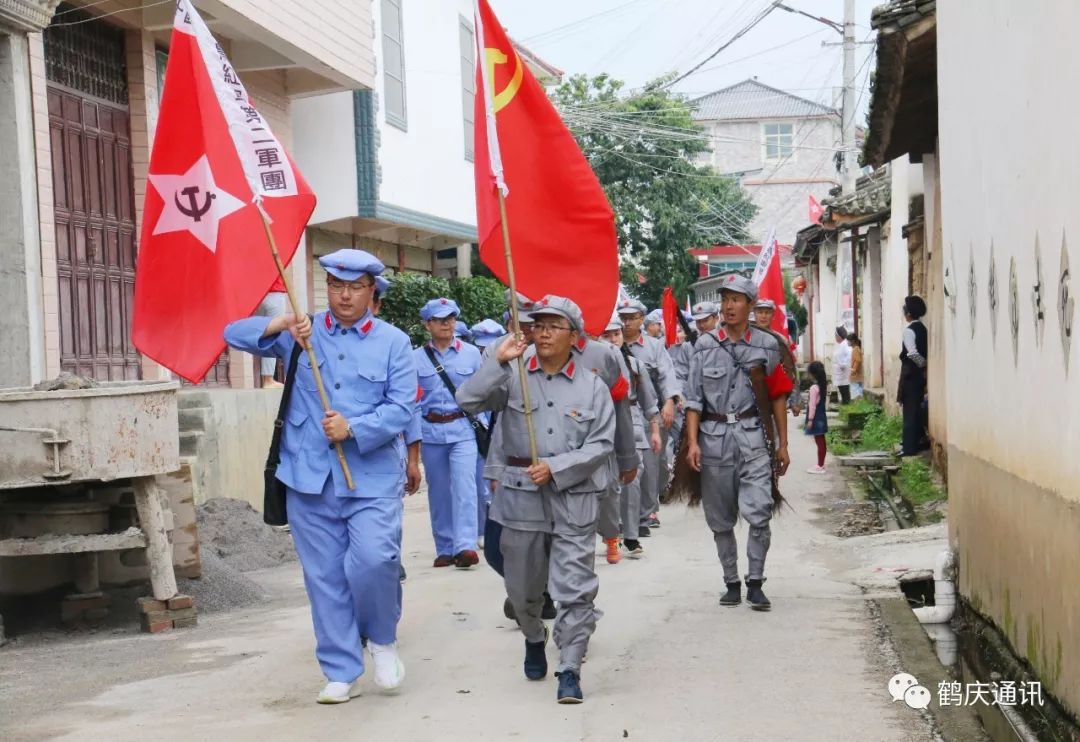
[(306, 343), (517, 327)]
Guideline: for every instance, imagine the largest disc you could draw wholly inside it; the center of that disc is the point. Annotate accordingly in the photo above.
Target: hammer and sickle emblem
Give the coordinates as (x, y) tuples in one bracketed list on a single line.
[(502, 98), (193, 210)]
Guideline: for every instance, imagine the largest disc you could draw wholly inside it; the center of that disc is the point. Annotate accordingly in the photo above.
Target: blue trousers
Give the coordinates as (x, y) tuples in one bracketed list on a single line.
[(349, 548), (451, 476), (483, 496)]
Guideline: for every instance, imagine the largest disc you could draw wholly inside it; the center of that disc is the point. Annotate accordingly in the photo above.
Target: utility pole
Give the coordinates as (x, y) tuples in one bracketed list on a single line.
[(848, 119)]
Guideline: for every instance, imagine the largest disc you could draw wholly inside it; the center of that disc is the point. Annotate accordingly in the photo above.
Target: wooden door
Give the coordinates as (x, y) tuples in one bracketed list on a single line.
[(94, 199)]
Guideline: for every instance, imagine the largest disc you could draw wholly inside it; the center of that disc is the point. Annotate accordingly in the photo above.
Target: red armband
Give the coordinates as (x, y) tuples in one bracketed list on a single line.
[(620, 389), (778, 383)]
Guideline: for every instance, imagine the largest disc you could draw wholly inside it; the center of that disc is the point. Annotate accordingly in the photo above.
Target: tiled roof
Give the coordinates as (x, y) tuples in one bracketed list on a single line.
[(901, 13), (872, 195), (752, 100)]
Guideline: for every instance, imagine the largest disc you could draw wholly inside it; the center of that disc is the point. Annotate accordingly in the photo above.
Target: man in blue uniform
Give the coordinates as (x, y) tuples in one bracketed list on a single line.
[(348, 541), (449, 442)]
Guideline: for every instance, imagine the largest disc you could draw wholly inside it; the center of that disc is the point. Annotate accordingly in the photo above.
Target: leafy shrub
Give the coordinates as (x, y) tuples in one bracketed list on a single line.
[(479, 298)]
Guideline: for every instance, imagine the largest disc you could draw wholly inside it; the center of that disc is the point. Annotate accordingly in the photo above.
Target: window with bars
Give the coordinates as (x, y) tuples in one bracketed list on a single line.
[(468, 82), (779, 141), (393, 47)]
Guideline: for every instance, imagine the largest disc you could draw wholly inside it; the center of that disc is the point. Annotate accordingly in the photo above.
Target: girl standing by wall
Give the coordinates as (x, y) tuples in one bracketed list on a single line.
[(816, 423)]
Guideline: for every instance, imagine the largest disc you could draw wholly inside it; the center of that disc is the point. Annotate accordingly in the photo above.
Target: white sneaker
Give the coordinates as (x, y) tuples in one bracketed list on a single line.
[(339, 692), (389, 670), (816, 470)]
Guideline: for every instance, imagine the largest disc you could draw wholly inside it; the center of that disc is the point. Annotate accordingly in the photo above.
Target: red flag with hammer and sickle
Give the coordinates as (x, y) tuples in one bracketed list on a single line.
[(204, 259), (562, 229)]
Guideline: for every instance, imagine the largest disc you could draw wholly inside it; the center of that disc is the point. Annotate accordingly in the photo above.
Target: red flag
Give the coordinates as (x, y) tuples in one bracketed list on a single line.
[(203, 258), (671, 317), (770, 282), (816, 211), (562, 229)]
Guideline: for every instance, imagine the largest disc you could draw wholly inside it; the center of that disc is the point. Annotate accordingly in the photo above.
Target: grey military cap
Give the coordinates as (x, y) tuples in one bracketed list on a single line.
[(615, 323), (739, 285), (704, 309), (765, 304), (631, 306), (558, 306)]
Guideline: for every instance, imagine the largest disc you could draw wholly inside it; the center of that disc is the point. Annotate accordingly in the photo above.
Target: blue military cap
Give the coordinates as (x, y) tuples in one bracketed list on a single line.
[(461, 330), (560, 307), (688, 316), (348, 264), (439, 308), (382, 285), (740, 285), (630, 306), (487, 332)]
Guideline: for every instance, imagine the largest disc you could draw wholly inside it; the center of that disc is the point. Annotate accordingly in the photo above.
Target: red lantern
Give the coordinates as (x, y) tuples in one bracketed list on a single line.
[(799, 285)]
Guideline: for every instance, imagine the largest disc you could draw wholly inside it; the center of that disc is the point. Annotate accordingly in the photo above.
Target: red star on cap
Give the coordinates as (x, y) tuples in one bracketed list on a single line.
[(442, 301), (341, 266)]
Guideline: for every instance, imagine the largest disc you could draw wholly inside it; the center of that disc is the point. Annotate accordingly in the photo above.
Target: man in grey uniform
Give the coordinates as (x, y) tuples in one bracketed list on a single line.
[(549, 509), (731, 451), (653, 355)]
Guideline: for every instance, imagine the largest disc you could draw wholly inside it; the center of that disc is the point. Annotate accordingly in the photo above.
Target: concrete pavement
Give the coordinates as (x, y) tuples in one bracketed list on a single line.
[(666, 662)]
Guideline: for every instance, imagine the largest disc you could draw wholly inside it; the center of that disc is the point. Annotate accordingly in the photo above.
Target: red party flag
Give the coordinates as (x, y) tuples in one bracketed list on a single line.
[(671, 317), (770, 282), (562, 229), (816, 211), (204, 259)]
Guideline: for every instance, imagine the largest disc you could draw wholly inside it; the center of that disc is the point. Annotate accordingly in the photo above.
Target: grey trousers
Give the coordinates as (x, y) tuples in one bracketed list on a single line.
[(630, 505), (566, 564), (726, 492), (607, 522), (273, 305), (650, 483)]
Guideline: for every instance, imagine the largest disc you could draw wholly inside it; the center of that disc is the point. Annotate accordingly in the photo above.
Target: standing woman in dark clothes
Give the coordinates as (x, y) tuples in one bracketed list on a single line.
[(912, 388), (816, 423)]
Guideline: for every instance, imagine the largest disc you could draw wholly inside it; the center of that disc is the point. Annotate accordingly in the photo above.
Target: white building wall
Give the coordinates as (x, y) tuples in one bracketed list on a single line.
[(779, 188), (906, 184), (325, 152), (425, 168), (1012, 407)]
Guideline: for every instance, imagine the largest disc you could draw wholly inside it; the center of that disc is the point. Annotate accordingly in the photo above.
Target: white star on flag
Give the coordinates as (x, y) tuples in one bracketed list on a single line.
[(193, 203)]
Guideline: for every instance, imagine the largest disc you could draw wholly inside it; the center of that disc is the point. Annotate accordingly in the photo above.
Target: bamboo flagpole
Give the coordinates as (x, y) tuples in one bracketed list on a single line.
[(517, 328), (308, 346)]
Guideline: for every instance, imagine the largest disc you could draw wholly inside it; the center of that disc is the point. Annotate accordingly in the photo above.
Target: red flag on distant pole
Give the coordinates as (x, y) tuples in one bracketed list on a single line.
[(816, 211), (203, 254), (671, 317), (559, 223), (770, 282)]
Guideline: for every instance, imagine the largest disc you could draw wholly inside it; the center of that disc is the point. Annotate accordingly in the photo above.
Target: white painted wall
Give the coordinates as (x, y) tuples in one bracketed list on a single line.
[(739, 146), (1011, 181), (825, 309), (324, 149), (906, 184), (424, 168)]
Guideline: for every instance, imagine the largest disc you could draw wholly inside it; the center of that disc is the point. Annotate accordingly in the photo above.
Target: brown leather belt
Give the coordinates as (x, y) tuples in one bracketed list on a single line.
[(734, 417), (518, 461), (435, 417)]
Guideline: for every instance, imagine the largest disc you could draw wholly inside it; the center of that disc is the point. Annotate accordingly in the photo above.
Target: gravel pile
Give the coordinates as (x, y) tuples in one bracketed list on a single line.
[(234, 531), (221, 587)]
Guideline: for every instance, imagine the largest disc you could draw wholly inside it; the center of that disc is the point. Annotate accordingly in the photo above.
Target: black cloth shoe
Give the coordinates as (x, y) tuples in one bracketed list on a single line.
[(643, 532), (508, 610), (733, 596), (755, 597), (653, 522), (569, 687), (548, 612), (535, 660)]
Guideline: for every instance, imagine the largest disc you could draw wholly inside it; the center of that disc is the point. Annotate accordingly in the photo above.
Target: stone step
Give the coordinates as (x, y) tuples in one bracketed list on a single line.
[(189, 442), (189, 398), (193, 418)]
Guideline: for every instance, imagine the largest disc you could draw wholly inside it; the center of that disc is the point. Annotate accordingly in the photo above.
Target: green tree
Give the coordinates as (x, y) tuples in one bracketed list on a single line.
[(642, 148), (478, 297)]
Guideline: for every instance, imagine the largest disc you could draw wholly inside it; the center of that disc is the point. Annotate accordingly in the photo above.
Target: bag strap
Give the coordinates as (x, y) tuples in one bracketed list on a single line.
[(274, 457), (441, 371)]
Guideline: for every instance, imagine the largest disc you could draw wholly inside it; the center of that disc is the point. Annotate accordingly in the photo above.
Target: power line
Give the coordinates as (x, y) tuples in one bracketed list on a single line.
[(557, 31)]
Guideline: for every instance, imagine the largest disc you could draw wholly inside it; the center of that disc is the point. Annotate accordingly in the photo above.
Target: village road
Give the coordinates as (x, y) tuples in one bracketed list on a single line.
[(666, 662)]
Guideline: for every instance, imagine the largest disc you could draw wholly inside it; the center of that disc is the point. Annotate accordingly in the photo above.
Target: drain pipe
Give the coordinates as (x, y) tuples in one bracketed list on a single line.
[(944, 593)]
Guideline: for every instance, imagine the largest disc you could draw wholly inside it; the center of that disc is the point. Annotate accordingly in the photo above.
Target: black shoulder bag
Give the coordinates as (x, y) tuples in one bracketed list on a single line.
[(274, 491), (483, 435)]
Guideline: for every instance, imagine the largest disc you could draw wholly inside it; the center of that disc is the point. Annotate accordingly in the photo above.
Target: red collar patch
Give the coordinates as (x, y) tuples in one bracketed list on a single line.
[(329, 322), (721, 334), (534, 363), (581, 343), (640, 340), (568, 369), (366, 327), (457, 345)]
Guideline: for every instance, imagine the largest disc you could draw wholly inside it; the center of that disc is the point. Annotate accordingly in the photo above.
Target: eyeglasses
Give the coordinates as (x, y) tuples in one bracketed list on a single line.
[(335, 287), (542, 328), (448, 320)]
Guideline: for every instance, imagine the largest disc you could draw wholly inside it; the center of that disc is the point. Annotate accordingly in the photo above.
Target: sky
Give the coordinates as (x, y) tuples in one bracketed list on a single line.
[(639, 40)]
